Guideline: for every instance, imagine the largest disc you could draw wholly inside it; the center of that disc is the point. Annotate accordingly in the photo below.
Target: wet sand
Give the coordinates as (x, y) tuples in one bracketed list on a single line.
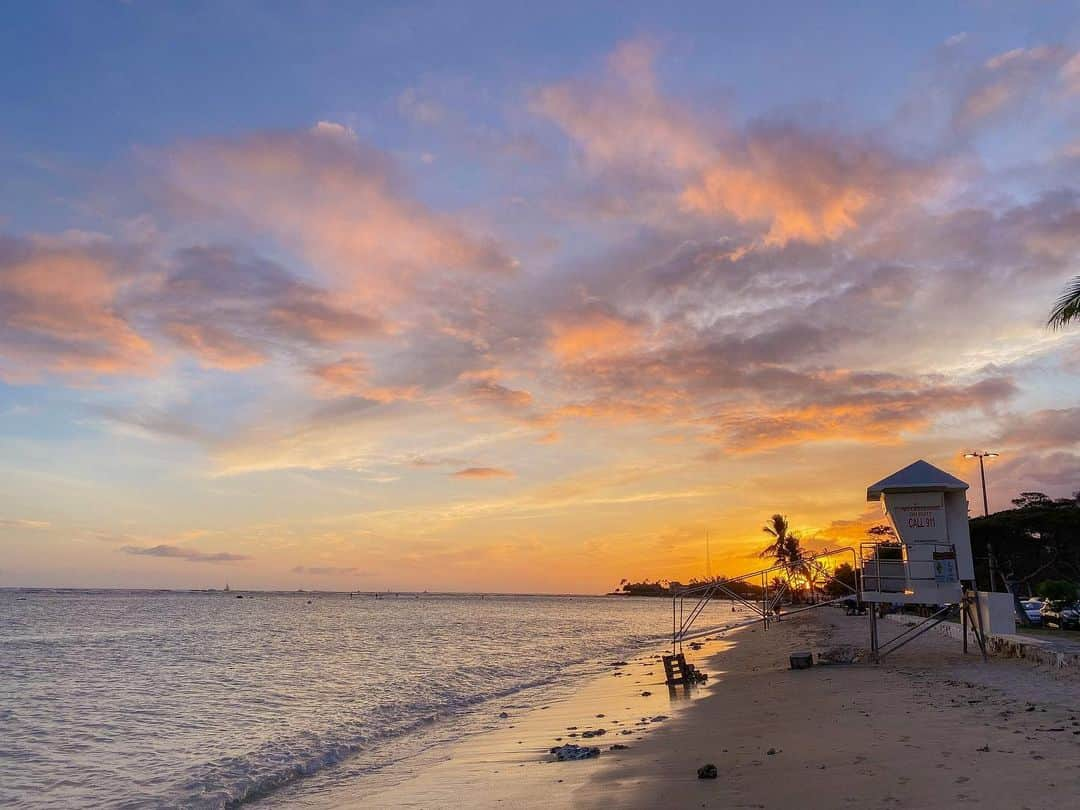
[(928, 728), (510, 766)]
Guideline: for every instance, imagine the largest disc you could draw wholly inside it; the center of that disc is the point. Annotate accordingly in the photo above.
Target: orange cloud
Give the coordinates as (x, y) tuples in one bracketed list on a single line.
[(879, 415), (800, 186), (593, 333), (482, 472)]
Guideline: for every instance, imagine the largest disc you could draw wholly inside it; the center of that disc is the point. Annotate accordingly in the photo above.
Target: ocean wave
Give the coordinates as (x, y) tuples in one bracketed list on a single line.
[(234, 781)]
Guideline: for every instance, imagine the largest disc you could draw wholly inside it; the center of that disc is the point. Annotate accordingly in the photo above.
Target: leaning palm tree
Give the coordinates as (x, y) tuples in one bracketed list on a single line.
[(1067, 307)]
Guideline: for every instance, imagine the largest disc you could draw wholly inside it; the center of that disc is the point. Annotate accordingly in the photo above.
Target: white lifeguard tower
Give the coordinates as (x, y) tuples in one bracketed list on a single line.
[(929, 563)]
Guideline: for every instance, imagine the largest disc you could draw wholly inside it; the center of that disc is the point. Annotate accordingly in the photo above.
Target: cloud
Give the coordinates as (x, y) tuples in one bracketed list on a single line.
[(351, 376), (1007, 80), (803, 185), (865, 410), (181, 553), (590, 333), (22, 523), (325, 570), (339, 202), (490, 392), (232, 311), (1057, 472), (60, 310), (1046, 429), (482, 472), (784, 181), (414, 105), (1070, 74)]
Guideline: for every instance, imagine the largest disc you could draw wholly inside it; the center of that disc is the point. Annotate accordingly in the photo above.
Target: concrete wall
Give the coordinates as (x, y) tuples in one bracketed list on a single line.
[(1037, 651)]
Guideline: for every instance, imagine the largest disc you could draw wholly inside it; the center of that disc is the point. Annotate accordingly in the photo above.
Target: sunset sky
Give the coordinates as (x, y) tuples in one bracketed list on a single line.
[(519, 297)]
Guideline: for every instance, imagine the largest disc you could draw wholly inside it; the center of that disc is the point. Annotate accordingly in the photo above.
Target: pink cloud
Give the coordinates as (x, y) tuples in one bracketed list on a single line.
[(340, 203), (351, 376), (214, 346), (787, 182), (59, 310)]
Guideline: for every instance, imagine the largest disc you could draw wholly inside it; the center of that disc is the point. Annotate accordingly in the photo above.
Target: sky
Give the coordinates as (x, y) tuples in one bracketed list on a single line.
[(483, 296)]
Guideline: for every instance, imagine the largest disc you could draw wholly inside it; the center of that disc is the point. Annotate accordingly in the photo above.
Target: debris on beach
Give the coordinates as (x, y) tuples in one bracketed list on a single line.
[(618, 664), (707, 771), (566, 753), (843, 654), (646, 694), (597, 733), (618, 747), (503, 715)]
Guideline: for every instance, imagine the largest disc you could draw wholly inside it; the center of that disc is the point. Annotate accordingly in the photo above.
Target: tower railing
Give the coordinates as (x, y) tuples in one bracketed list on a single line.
[(688, 604)]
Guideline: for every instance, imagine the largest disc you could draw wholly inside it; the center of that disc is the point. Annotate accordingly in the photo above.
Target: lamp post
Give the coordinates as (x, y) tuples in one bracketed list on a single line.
[(981, 455)]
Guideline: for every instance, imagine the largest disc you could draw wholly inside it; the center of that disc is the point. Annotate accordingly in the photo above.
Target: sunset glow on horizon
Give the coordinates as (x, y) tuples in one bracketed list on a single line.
[(498, 299)]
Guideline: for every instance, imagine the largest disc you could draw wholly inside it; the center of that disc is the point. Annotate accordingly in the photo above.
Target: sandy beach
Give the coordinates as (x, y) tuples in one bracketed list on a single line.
[(927, 728), (930, 727)]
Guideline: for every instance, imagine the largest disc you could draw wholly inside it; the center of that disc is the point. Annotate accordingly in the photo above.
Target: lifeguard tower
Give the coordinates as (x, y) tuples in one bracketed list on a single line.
[(929, 563)]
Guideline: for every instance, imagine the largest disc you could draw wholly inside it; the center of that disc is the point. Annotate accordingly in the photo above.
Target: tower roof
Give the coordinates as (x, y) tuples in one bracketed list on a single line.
[(919, 476)]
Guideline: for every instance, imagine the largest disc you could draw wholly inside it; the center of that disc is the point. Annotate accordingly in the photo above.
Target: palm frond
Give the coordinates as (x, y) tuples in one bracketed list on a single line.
[(1067, 307)]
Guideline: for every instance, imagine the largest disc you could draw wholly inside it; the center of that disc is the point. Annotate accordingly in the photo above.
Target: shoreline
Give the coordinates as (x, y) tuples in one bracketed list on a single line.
[(506, 762), (928, 728)]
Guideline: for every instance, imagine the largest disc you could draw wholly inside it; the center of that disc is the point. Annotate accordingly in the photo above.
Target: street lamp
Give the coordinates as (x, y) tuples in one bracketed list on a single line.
[(981, 455)]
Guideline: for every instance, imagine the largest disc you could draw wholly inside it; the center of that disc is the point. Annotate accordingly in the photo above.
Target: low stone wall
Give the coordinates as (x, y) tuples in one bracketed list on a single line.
[(1037, 651)]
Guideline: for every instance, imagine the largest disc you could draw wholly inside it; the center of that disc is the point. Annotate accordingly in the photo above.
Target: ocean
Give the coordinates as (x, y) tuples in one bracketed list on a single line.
[(134, 699)]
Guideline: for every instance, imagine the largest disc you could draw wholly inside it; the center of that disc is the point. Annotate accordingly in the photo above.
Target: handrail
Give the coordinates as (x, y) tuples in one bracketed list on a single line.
[(681, 622)]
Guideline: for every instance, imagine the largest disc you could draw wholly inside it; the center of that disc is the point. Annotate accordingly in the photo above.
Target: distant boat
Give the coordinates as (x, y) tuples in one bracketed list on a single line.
[(227, 588)]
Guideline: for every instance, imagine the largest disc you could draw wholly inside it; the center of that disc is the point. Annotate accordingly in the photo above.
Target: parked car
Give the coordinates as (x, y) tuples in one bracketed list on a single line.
[(1062, 615), (1033, 611)]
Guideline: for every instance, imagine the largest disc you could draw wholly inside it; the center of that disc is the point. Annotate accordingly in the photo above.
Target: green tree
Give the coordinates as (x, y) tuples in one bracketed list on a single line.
[(1027, 499), (1067, 307), (843, 575), (1038, 541), (1057, 590)]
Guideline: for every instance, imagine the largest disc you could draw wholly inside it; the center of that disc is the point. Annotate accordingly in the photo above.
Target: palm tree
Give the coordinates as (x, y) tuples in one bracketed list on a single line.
[(778, 529), (1067, 308)]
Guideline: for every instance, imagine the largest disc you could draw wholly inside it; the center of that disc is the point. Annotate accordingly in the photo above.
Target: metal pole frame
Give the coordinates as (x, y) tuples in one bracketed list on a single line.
[(912, 633), (705, 592)]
